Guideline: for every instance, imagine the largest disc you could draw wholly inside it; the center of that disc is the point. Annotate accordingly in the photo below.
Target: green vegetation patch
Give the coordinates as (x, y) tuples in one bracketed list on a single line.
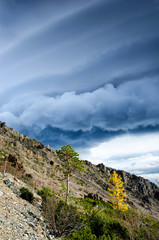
[(26, 194)]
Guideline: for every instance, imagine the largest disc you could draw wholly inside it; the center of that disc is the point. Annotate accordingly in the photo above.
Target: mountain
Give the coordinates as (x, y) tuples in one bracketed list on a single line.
[(38, 165)]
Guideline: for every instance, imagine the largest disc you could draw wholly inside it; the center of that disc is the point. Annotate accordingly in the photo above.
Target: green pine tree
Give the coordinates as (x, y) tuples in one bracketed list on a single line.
[(72, 163)]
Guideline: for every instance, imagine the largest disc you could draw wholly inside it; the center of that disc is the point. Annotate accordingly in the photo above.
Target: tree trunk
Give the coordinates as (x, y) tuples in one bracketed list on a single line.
[(16, 169), (5, 165), (67, 192), (54, 223)]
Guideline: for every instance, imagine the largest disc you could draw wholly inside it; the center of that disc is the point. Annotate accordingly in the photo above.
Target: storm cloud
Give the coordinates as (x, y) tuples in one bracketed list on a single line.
[(79, 72), (127, 106)]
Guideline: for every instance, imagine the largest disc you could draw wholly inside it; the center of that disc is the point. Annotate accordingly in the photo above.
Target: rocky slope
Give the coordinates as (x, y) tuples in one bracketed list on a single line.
[(38, 165), (19, 219)]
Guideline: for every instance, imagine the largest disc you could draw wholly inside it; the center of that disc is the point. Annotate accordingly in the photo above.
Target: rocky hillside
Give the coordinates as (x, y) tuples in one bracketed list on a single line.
[(32, 162), (18, 218)]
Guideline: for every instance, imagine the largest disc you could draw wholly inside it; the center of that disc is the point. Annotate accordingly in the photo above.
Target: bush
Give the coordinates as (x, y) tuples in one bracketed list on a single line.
[(67, 218), (45, 193), (84, 234), (101, 226), (116, 230), (48, 206), (26, 194), (97, 224)]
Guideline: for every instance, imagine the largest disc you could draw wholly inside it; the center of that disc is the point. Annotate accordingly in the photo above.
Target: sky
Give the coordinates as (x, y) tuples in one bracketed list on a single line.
[(85, 73)]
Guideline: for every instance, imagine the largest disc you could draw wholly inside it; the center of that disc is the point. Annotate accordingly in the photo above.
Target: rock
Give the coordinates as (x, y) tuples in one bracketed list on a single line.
[(87, 163), (28, 175), (101, 167), (2, 124), (32, 225), (51, 237), (14, 162), (10, 184), (19, 217), (1, 193)]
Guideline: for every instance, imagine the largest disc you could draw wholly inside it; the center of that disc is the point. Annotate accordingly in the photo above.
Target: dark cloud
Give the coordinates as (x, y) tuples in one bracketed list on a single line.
[(87, 118), (79, 71), (80, 139), (56, 137)]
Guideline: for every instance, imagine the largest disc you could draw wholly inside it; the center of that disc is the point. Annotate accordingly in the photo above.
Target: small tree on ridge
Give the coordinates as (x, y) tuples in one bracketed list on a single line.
[(117, 194), (72, 163)]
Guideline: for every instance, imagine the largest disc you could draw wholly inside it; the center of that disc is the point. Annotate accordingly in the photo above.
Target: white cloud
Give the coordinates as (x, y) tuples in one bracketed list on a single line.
[(136, 154), (152, 177), (125, 146)]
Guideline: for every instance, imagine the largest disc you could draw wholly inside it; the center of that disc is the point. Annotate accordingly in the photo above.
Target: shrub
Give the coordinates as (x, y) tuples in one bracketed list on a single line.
[(45, 193), (84, 234), (26, 194), (116, 230), (48, 206), (101, 226), (97, 224), (66, 217)]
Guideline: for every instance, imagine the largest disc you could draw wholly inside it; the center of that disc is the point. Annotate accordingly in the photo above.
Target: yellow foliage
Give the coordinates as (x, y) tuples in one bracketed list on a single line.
[(30, 152), (117, 194), (39, 157)]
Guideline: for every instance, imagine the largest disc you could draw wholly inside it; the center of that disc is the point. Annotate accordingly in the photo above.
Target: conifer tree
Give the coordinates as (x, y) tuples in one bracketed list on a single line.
[(72, 163), (117, 194)]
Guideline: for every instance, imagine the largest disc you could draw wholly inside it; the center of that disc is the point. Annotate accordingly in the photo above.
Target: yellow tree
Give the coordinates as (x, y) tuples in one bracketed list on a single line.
[(117, 194)]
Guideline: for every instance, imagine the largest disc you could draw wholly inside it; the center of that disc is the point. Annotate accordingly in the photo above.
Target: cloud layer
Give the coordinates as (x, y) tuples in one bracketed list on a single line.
[(127, 106), (79, 72), (136, 154)]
